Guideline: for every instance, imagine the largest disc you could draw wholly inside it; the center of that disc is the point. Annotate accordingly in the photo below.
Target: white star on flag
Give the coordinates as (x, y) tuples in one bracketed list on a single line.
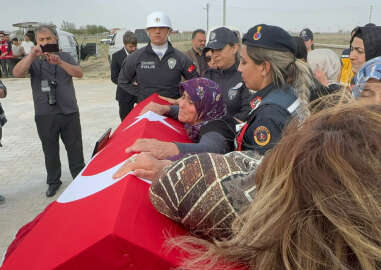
[(152, 117)]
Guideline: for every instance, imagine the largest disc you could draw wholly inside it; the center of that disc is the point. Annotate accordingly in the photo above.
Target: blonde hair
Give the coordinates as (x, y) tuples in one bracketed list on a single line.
[(318, 204), (286, 69)]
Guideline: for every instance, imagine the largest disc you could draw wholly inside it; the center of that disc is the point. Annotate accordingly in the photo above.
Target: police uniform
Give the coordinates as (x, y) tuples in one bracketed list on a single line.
[(235, 94), (272, 107), (143, 73)]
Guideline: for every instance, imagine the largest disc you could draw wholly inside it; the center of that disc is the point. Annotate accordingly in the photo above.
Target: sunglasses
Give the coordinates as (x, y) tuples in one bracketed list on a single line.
[(208, 59)]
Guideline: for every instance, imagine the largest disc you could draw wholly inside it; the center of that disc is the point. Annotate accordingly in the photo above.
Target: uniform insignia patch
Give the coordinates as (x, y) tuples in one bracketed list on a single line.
[(191, 68), (171, 63), (262, 135), (147, 65), (254, 103), (258, 34)]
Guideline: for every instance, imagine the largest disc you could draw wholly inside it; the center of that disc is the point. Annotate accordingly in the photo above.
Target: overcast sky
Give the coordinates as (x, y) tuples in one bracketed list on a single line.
[(293, 15)]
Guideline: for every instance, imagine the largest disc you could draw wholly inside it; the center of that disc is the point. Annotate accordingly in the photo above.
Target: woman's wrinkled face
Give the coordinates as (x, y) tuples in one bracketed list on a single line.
[(372, 91), (187, 110)]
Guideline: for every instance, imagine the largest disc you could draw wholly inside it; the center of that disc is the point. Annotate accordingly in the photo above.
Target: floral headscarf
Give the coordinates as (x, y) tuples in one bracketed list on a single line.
[(207, 97), (371, 69)]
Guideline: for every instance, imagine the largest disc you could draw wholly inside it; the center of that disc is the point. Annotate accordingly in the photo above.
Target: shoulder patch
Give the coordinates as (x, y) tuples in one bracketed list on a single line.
[(191, 68), (262, 135)]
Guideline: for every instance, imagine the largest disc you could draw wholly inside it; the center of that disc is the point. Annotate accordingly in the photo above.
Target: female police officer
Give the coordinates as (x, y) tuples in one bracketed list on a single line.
[(224, 45), (269, 67)]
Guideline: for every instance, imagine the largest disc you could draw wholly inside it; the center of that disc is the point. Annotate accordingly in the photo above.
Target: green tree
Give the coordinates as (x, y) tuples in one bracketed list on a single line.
[(69, 27)]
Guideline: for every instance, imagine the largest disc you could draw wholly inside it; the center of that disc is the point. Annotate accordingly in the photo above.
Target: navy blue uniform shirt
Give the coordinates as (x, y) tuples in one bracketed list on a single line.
[(267, 122), (143, 73), (234, 92)]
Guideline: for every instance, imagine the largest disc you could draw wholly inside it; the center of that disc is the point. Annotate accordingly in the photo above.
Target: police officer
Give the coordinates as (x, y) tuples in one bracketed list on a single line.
[(224, 45), (269, 67), (157, 67)]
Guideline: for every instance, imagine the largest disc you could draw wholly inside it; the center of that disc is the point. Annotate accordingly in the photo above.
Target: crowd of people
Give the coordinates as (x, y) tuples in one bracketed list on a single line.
[(292, 149), (12, 50)]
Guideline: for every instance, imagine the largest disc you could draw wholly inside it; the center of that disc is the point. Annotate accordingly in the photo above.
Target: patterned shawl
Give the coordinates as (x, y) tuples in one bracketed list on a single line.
[(206, 192)]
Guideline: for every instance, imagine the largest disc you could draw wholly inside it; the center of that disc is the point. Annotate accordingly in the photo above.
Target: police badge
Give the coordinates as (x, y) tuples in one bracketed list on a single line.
[(171, 63)]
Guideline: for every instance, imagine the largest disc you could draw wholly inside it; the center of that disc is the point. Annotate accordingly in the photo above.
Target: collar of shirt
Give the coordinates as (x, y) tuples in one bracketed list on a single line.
[(196, 52), (126, 51), (151, 51), (160, 50), (262, 93)]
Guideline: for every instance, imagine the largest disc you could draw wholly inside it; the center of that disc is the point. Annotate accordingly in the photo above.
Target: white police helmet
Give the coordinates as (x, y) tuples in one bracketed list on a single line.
[(158, 19)]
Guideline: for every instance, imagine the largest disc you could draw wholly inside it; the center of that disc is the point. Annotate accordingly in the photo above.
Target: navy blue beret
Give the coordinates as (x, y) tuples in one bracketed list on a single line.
[(269, 37)]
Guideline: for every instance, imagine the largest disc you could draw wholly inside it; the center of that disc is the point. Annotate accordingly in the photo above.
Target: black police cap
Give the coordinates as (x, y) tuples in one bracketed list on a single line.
[(221, 36), (306, 34), (269, 37)]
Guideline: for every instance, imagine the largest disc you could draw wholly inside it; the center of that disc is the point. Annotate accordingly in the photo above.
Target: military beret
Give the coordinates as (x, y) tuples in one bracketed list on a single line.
[(269, 37)]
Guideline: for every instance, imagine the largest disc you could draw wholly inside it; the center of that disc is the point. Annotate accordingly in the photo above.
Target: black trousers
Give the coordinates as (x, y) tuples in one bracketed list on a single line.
[(125, 106), (68, 127)]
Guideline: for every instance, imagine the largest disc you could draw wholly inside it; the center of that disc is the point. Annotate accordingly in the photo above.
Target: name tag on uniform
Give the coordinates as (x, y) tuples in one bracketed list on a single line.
[(147, 65)]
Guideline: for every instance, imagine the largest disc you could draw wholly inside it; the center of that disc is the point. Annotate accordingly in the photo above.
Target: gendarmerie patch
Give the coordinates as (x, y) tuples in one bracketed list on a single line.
[(262, 135)]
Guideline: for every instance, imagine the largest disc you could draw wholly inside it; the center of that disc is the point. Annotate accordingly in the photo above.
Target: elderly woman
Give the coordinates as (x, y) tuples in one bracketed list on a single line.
[(368, 81), (201, 109), (317, 204)]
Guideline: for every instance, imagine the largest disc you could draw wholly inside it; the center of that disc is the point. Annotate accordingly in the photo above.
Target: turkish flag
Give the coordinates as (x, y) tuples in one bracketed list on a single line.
[(99, 222)]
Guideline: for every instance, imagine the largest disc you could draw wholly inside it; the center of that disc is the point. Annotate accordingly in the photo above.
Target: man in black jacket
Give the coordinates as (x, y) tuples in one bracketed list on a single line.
[(157, 67), (126, 101)]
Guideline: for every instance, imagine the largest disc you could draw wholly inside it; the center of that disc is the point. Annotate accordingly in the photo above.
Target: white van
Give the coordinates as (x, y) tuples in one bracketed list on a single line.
[(66, 41), (117, 41)]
